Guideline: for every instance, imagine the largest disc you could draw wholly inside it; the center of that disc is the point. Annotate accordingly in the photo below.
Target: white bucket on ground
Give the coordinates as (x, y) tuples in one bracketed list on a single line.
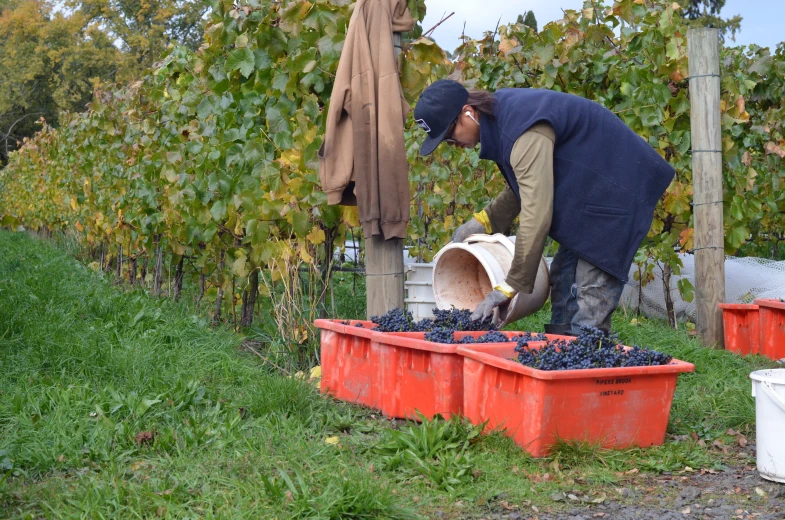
[(768, 389), (464, 273)]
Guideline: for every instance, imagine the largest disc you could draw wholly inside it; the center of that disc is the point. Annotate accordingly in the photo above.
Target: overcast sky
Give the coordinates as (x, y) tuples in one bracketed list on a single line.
[(763, 19)]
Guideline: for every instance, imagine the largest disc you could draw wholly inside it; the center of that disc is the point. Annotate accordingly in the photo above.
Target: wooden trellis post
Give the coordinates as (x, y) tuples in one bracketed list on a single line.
[(384, 259), (704, 71)]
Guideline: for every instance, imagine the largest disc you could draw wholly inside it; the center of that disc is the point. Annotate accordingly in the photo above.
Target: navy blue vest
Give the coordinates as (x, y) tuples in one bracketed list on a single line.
[(607, 179)]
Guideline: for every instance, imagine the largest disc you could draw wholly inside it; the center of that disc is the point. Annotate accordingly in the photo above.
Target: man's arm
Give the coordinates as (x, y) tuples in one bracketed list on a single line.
[(501, 211), (532, 161)]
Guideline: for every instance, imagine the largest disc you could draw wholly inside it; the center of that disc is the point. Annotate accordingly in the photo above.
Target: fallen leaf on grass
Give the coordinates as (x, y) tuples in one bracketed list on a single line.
[(139, 464), (760, 492), (599, 500), (631, 472), (332, 440), (506, 505), (558, 496), (145, 437), (536, 477)]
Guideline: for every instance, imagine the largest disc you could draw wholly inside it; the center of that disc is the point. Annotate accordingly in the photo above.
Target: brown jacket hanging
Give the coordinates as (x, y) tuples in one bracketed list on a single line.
[(363, 158)]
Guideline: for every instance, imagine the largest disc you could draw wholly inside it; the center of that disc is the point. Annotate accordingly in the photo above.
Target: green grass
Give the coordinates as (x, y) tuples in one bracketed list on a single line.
[(116, 405)]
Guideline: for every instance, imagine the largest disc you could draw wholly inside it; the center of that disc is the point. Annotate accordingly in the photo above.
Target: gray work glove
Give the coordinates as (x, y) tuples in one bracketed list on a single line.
[(472, 227), (485, 308)]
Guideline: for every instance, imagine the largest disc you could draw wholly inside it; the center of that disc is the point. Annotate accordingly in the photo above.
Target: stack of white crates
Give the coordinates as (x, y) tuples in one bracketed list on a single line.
[(419, 290)]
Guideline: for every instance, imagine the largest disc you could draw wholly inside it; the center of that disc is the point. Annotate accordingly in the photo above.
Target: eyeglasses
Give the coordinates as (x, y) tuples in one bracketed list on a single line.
[(448, 136)]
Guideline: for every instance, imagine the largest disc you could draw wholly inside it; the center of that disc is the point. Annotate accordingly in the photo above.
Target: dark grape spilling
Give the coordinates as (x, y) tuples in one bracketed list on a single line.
[(593, 348), (446, 335), (400, 320)]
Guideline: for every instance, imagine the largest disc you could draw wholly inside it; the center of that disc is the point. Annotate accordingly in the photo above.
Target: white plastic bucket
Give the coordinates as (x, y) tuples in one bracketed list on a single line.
[(768, 389), (418, 290), (464, 273)]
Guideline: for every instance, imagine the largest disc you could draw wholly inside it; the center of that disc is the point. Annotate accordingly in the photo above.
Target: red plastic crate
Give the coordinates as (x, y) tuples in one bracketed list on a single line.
[(615, 407), (350, 364), (772, 328), (418, 375), (741, 323), (422, 376)]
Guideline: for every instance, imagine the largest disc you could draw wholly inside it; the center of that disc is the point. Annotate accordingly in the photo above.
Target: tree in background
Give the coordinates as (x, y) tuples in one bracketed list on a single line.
[(528, 20), (49, 63), (706, 13), (145, 29)]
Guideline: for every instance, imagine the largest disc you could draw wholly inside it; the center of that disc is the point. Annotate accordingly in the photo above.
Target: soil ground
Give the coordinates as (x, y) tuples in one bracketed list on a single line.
[(737, 492)]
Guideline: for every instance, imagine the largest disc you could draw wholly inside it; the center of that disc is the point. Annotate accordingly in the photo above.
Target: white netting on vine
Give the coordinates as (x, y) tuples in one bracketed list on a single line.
[(745, 279)]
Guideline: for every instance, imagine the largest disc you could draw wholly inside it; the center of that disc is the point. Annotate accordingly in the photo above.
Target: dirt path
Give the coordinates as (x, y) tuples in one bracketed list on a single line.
[(735, 493)]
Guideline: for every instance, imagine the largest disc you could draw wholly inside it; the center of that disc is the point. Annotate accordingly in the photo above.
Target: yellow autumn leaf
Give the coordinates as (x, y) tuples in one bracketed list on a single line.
[(448, 222), (751, 174), (304, 254), (240, 267), (332, 440), (316, 236), (350, 215), (73, 204), (507, 44)]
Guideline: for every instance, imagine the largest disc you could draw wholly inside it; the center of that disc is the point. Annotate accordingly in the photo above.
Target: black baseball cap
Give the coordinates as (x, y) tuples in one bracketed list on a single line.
[(439, 105)]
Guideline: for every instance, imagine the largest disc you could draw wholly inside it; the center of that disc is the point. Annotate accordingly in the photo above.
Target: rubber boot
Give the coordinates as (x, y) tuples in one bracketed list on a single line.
[(561, 329)]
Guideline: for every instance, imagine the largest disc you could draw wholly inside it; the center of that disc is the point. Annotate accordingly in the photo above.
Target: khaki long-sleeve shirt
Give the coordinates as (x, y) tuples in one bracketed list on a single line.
[(532, 161)]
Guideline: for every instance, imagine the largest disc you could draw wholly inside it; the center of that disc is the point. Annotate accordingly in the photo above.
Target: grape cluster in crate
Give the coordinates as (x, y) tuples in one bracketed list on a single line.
[(593, 348)]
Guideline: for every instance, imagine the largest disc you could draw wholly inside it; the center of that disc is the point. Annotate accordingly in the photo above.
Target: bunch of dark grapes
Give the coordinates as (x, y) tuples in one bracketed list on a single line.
[(424, 325), (641, 357), (526, 337), (440, 335), (399, 320), (460, 319), (446, 335), (491, 337), (396, 320), (593, 348)]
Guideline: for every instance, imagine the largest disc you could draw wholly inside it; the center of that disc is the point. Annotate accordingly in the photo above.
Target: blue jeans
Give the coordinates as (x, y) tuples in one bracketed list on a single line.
[(582, 295)]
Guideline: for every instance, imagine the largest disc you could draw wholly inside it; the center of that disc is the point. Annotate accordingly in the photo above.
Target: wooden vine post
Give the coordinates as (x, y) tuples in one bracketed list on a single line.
[(704, 71), (384, 258)]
